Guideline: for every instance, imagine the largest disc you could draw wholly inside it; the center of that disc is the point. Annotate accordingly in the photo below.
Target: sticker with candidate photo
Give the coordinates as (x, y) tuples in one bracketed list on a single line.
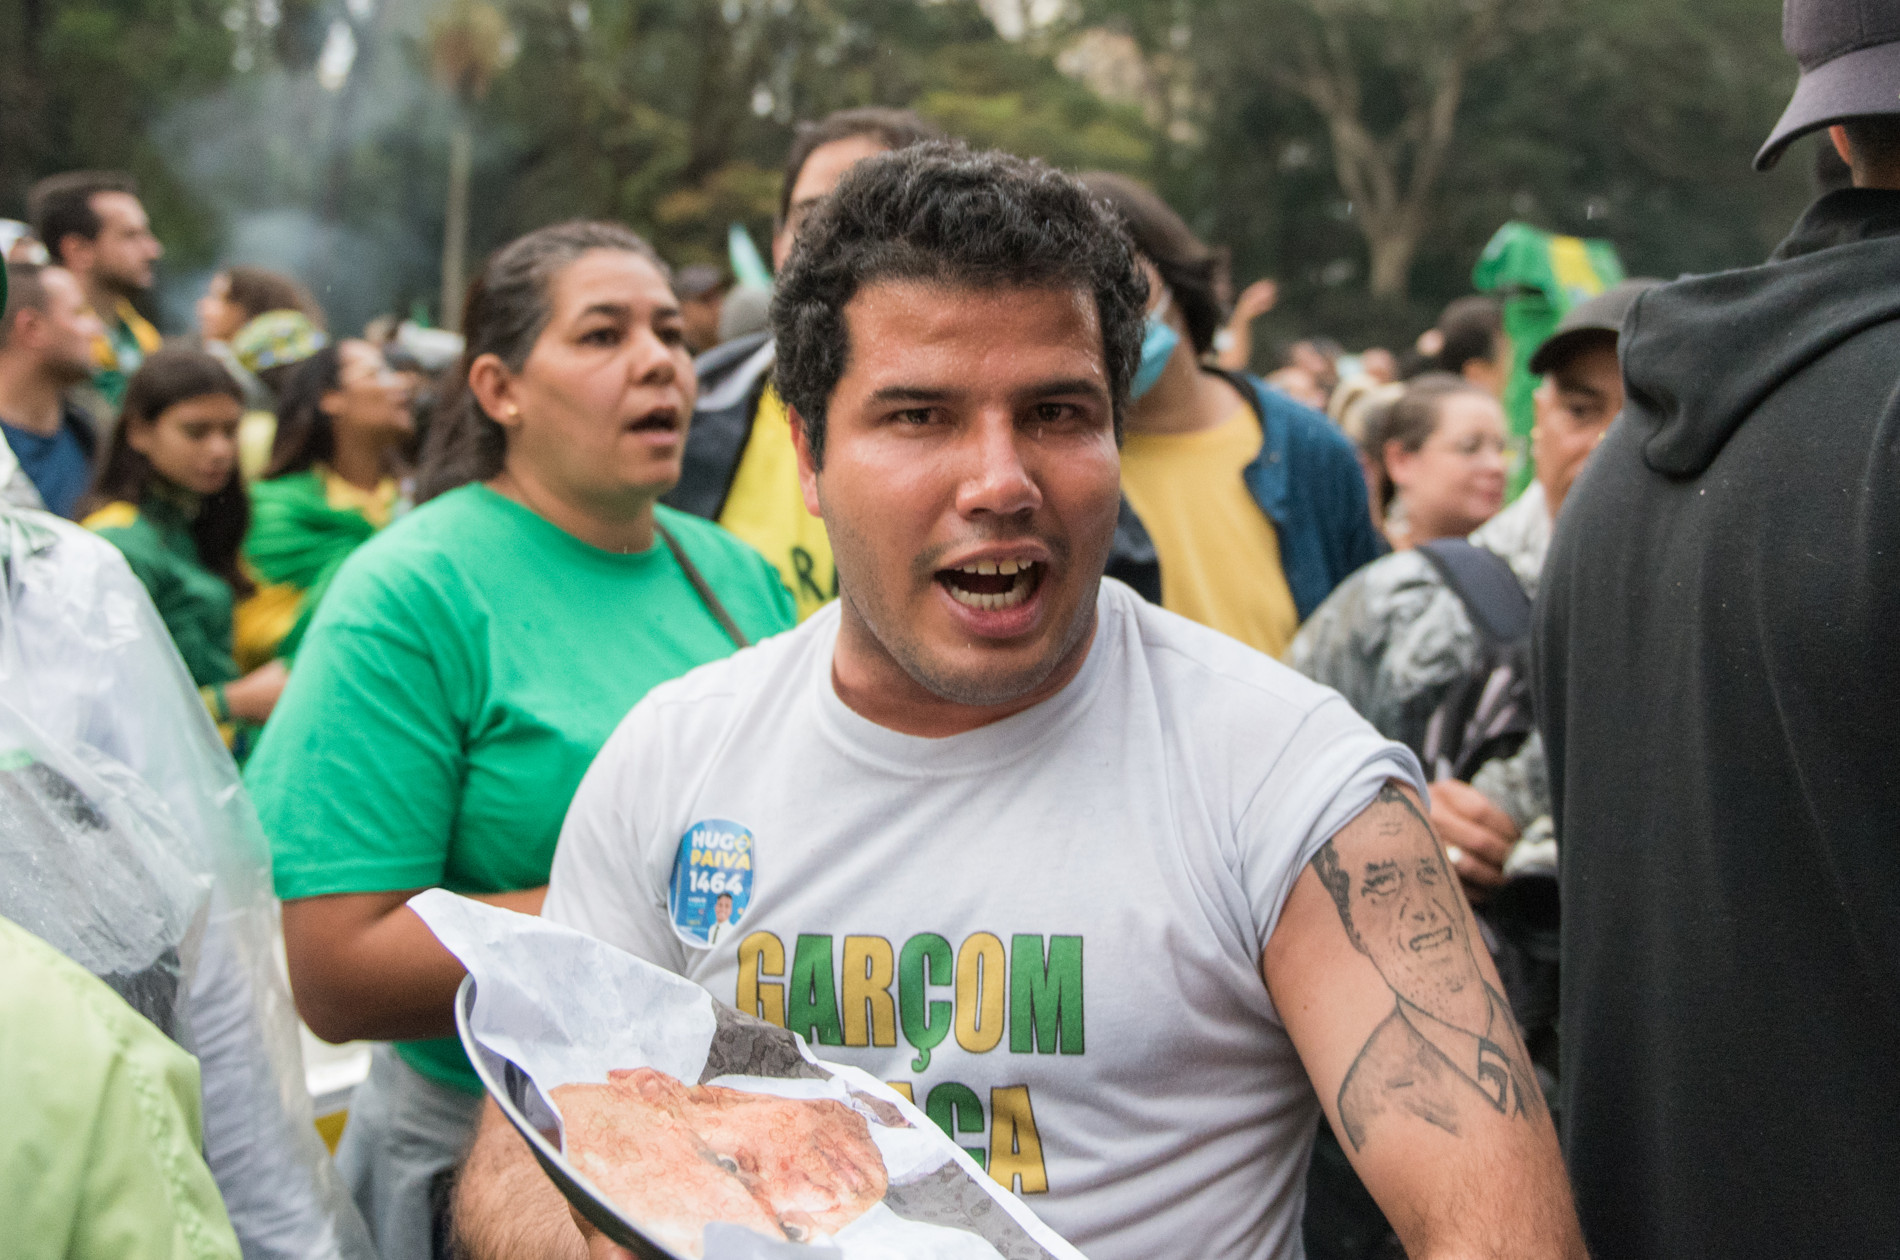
[(712, 881)]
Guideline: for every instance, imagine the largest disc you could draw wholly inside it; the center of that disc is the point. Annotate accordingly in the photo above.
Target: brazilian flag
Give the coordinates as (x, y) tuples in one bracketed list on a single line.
[(1540, 276)]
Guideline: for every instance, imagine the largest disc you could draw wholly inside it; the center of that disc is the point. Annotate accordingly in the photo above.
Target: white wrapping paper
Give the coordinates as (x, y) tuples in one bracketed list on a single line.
[(567, 1009)]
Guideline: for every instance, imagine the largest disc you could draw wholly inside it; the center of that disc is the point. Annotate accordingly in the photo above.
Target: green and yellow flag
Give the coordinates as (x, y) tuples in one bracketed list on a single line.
[(1540, 276)]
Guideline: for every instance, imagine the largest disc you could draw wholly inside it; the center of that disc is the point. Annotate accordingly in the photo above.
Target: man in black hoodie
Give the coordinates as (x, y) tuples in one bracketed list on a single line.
[(1717, 645)]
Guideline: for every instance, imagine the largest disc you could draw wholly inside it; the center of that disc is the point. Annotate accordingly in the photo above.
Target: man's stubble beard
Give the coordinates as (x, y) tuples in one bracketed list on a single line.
[(980, 692), (119, 285), (70, 372)]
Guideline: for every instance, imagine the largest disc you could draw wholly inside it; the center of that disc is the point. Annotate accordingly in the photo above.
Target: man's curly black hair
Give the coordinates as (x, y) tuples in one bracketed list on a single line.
[(945, 214)]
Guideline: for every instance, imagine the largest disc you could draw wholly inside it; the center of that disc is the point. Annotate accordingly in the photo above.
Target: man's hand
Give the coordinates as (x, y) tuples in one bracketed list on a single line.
[(507, 1209), (1383, 983), (1256, 300), (1478, 835), (599, 1246), (1236, 339)]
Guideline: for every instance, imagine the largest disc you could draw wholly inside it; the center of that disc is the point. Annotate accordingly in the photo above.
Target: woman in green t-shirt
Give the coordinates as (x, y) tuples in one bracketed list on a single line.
[(170, 497), (468, 662), (331, 484)]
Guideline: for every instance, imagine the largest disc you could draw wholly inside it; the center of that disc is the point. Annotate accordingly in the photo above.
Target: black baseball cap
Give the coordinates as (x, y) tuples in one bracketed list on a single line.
[(1601, 314), (1849, 52)]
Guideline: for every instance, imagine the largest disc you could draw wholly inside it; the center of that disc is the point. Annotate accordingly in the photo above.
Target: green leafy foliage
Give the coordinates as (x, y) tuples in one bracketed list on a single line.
[(1629, 119)]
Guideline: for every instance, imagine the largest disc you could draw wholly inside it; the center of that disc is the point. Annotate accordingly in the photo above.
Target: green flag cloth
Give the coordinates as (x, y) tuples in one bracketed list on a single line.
[(299, 538), (1540, 276), (747, 265)]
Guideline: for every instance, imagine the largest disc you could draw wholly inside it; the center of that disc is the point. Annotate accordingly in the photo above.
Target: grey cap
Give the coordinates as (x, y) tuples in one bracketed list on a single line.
[(697, 280), (1849, 52), (1601, 314), (748, 310)]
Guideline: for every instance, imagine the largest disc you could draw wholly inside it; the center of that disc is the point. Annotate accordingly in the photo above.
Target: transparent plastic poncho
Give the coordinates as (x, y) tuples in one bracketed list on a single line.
[(127, 841)]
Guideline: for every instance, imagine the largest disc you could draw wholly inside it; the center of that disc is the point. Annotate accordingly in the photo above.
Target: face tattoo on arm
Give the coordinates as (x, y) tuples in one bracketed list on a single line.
[(1450, 1045)]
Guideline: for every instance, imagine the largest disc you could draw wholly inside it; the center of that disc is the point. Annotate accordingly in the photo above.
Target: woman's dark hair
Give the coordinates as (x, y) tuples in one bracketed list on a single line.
[(259, 290), (306, 434), (1471, 327), (943, 214), (1410, 420), (165, 379), (1190, 269), (507, 308)]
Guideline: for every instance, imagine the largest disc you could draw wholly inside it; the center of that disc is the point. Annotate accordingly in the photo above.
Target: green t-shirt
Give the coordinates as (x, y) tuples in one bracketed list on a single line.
[(194, 602), (464, 668), (99, 1156)]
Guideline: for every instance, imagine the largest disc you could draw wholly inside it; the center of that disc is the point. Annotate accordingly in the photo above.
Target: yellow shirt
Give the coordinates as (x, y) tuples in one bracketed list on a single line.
[(1219, 553), (766, 508)]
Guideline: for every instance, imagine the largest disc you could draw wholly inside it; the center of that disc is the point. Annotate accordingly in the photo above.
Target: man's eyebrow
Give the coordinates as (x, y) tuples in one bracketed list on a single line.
[(1577, 387), (1387, 867), (1069, 385), (908, 393)]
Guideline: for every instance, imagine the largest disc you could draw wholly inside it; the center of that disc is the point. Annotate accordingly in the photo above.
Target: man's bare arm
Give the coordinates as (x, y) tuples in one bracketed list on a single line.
[(1384, 985), (507, 1209)]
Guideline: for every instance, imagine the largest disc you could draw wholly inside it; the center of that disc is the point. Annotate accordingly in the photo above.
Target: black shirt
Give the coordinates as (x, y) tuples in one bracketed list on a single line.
[(1718, 660)]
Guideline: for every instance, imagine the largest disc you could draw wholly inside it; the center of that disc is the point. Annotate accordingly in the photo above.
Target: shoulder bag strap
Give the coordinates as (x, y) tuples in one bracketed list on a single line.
[(705, 592)]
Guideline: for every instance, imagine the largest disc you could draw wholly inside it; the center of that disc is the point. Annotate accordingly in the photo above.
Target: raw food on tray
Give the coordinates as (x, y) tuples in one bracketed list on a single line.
[(703, 1131), (679, 1157)]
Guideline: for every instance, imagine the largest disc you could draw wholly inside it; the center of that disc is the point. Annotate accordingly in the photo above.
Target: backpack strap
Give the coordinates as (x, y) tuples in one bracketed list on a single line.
[(1487, 587)]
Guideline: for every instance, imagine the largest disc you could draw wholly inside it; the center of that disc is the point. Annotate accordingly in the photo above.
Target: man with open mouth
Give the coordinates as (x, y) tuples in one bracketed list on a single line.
[(1045, 857)]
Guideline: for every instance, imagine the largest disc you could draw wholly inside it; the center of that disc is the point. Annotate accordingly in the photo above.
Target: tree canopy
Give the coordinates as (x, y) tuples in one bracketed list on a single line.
[(1361, 151)]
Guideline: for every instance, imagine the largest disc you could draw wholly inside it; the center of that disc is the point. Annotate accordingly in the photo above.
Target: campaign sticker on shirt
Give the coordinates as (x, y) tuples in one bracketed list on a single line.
[(712, 881)]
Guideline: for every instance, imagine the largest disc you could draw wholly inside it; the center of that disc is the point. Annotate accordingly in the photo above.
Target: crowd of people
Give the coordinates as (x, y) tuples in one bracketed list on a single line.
[(1456, 873)]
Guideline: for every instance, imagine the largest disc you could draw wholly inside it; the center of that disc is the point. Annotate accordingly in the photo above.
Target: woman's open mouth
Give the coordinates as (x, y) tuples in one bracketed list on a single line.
[(992, 585), (659, 420)]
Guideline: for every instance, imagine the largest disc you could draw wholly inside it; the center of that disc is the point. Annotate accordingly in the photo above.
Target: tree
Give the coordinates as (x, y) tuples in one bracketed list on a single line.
[(1408, 60), (81, 79), (1332, 144), (469, 44), (1631, 119)]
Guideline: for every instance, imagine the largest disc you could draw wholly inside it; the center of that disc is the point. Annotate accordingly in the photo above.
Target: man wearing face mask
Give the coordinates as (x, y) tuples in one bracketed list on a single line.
[(1241, 509)]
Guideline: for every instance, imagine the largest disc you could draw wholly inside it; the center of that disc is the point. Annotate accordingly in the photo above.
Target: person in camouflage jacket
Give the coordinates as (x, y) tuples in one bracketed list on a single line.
[(1395, 639)]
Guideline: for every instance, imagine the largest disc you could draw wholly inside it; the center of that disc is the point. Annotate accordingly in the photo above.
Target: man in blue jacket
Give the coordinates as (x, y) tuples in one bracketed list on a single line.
[(1242, 509)]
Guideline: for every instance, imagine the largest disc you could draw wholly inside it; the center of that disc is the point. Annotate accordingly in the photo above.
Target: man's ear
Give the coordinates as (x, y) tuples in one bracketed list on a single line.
[(807, 468), (1397, 461), (494, 388), (74, 252), (1838, 134), (24, 326)]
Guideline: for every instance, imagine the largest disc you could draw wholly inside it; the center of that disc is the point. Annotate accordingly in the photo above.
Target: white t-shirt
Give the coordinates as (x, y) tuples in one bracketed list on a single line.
[(1066, 909)]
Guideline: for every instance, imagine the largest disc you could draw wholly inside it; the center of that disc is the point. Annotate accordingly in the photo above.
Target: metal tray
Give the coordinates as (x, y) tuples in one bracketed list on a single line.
[(515, 1093), (518, 1099)]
